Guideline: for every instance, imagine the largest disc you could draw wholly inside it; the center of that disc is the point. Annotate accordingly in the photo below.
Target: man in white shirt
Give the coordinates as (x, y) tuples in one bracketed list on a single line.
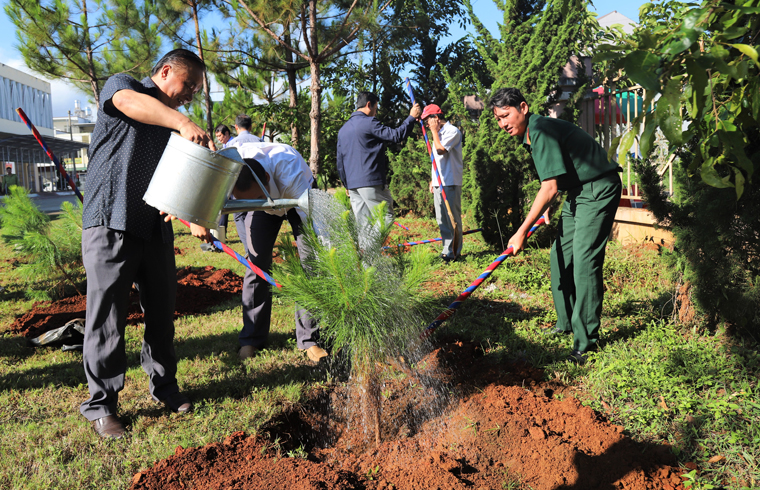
[(447, 149), (286, 176), (243, 128)]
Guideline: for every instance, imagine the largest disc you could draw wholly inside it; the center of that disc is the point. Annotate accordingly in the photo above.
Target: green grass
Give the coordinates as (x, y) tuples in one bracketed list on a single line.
[(707, 379)]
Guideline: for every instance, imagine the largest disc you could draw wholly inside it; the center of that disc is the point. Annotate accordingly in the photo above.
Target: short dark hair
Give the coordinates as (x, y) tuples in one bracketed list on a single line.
[(506, 97), (222, 128), (179, 57), (364, 97), (244, 122), (245, 180)]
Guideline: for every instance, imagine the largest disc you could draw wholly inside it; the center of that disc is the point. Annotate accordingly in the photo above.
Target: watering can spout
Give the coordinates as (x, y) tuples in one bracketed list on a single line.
[(243, 205)]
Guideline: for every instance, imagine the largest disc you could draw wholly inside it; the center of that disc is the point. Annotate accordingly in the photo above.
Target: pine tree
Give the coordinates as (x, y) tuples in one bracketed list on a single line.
[(175, 15), (369, 305), (536, 43), (84, 42), (325, 31), (51, 254)]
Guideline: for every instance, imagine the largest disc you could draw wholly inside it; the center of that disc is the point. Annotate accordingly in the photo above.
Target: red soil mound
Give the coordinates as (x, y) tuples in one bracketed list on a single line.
[(505, 426), (198, 289)]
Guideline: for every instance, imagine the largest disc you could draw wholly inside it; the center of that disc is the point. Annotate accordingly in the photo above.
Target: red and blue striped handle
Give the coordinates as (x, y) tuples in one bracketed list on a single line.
[(411, 244), (401, 226), (427, 142), (225, 248), (50, 154), (472, 287)]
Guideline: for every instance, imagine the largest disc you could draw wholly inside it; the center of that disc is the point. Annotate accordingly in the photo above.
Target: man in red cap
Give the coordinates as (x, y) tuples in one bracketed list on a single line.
[(447, 150)]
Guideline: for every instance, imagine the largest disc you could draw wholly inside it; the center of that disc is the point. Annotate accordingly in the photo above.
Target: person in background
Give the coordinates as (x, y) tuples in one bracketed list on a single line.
[(243, 128), (567, 159), (285, 175), (361, 160), (9, 179), (223, 135), (447, 150), (125, 241)]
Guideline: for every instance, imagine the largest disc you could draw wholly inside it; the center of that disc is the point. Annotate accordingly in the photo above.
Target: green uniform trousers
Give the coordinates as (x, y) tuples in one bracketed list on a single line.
[(577, 257)]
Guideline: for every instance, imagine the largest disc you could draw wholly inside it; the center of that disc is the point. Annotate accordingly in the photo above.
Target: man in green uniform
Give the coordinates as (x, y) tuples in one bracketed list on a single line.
[(8, 180), (567, 159)]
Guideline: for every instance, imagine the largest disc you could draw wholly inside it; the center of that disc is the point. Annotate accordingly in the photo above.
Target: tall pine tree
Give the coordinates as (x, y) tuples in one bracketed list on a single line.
[(537, 41), (85, 42)]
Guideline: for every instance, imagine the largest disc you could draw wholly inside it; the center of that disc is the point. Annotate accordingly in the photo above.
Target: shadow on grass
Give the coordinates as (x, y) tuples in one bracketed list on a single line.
[(236, 379), (68, 372)]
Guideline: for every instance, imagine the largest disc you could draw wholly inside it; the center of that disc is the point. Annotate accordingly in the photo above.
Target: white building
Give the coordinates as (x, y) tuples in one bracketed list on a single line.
[(19, 150), (615, 17)]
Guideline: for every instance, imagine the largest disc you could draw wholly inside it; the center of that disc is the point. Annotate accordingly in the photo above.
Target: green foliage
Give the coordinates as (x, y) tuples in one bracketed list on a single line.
[(702, 68), (701, 63), (536, 43), (686, 383), (342, 197), (369, 305), (51, 255), (62, 39), (410, 178)]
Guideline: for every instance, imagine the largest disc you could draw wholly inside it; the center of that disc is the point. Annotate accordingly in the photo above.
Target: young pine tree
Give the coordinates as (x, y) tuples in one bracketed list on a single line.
[(369, 304), (51, 254)]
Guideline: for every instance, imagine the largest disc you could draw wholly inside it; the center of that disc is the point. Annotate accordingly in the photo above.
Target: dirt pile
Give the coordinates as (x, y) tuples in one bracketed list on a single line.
[(198, 289), (504, 426)]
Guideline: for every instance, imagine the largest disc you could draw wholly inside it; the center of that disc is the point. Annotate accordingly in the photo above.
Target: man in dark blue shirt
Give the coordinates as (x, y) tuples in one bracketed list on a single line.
[(362, 164), (125, 241)]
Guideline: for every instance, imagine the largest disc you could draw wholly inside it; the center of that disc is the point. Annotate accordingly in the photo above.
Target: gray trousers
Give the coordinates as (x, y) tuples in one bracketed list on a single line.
[(260, 231), (454, 197), (364, 200), (113, 260)]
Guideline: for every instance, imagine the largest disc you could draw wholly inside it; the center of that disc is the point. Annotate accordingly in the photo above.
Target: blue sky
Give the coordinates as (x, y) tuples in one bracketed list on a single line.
[(64, 95)]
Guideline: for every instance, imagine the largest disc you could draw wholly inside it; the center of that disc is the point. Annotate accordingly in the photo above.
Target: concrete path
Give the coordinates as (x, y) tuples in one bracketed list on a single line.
[(50, 202)]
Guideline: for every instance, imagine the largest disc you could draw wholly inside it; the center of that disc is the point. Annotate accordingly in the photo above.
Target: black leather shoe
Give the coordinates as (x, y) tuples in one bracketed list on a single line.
[(176, 402), (555, 330), (108, 427), (577, 357)]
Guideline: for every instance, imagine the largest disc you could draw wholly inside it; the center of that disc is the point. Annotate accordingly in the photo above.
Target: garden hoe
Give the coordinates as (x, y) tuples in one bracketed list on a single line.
[(457, 234)]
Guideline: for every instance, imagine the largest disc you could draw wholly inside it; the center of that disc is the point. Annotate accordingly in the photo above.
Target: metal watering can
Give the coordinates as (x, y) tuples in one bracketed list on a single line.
[(193, 183)]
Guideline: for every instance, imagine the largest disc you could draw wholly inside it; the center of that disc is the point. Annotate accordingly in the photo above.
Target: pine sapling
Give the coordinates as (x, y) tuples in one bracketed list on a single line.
[(52, 253), (369, 305)]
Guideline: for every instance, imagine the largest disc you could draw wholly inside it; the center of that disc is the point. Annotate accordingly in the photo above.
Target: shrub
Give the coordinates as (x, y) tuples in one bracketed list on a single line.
[(410, 176), (52, 254)]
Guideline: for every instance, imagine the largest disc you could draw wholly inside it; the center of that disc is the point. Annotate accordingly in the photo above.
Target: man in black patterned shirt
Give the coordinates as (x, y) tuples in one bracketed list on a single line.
[(126, 241)]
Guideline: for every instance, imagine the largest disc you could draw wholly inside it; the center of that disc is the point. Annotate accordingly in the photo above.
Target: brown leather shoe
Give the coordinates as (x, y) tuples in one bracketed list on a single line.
[(177, 403), (108, 427), (315, 353)]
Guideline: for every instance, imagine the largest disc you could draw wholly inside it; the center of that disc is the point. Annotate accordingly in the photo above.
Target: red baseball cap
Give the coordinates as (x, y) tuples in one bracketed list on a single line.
[(431, 110)]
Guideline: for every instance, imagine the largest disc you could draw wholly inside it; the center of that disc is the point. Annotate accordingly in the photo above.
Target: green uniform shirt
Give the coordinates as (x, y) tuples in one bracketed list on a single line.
[(9, 180), (563, 151)]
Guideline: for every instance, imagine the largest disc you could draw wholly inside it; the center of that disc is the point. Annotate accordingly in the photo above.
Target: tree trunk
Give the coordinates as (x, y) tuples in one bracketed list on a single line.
[(88, 52), (316, 118), (316, 91), (206, 88), (293, 88)]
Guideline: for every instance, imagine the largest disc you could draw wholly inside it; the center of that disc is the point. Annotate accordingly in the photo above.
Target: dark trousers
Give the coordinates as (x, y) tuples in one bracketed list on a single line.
[(258, 231), (577, 257), (113, 261)]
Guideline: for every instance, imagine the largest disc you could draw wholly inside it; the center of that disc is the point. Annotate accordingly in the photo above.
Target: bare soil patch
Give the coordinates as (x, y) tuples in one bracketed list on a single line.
[(492, 424), (198, 289)]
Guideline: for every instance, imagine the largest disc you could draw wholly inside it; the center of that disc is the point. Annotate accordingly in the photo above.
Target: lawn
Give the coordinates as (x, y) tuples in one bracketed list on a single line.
[(692, 387)]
